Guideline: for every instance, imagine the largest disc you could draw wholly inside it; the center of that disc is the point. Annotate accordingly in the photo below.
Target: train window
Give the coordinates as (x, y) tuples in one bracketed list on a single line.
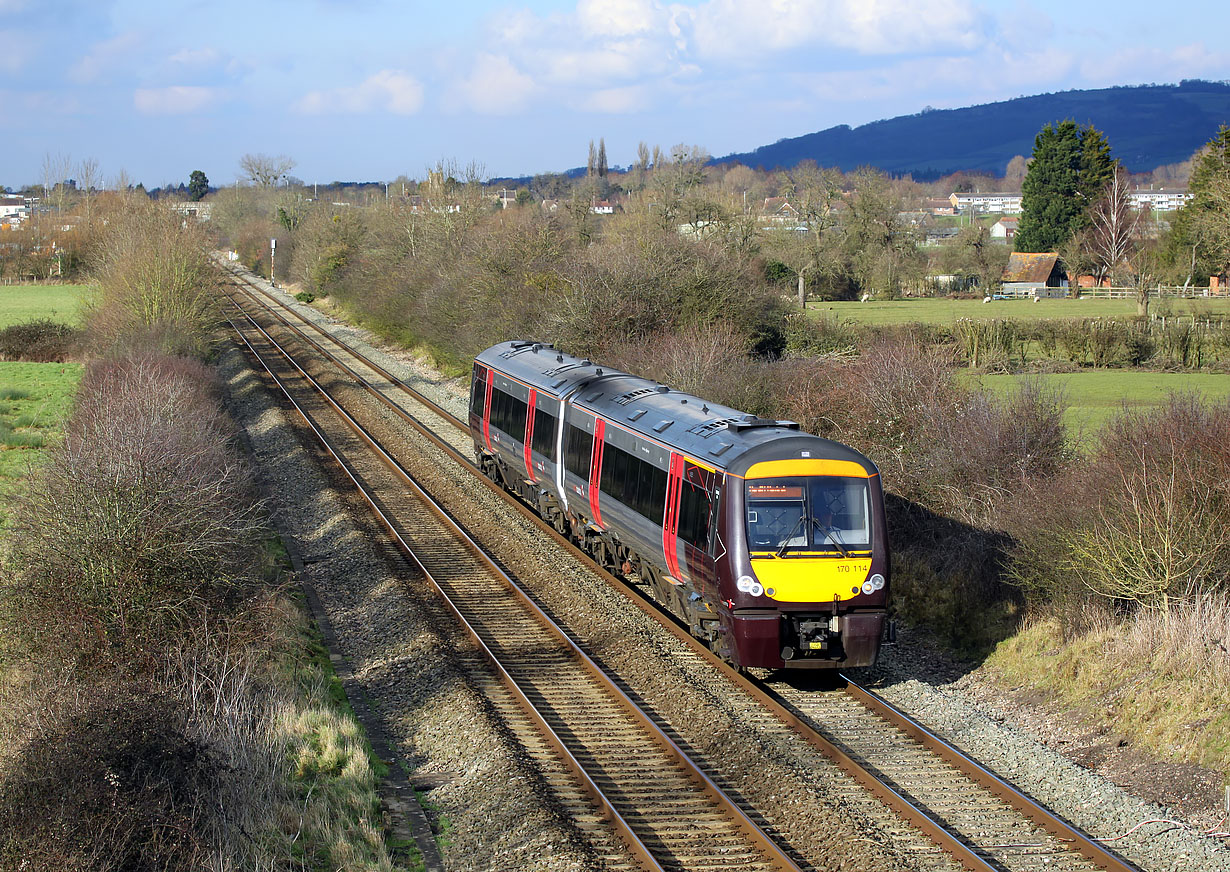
[(639, 485), (544, 432), (651, 491), (508, 414), (578, 452), (478, 391)]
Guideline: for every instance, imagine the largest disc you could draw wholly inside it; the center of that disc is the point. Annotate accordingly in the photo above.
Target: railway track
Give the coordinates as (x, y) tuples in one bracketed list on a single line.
[(663, 805), (979, 820)]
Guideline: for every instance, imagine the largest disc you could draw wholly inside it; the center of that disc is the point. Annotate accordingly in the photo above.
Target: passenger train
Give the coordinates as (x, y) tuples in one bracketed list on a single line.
[(769, 543)]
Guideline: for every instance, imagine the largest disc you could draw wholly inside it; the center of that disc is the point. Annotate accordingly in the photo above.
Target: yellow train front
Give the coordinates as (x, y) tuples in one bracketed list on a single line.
[(769, 543)]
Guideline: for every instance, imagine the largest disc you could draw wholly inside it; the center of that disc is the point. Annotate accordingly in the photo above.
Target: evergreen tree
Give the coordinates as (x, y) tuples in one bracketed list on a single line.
[(1202, 227), (1071, 166), (198, 185), (601, 166)]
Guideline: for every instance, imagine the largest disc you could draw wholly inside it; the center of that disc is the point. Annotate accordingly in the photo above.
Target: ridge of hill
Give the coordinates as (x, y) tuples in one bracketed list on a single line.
[(1147, 126)]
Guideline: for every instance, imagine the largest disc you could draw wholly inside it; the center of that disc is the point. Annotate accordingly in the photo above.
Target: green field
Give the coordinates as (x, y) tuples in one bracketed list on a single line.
[(1094, 397), (61, 303), (942, 310), (35, 398)]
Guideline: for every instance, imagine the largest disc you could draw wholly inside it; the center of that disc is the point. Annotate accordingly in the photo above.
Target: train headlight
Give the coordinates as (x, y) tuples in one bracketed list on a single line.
[(868, 587), (877, 581), (755, 589), (745, 583)]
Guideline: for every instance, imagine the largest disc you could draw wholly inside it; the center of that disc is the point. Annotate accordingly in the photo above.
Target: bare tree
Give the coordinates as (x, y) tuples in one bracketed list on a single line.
[(265, 170), (88, 178), (56, 168), (1114, 231)]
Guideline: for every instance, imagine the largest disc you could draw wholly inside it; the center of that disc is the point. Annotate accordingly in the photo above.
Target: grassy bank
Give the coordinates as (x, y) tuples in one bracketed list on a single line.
[(941, 310), (62, 303), (1162, 679)]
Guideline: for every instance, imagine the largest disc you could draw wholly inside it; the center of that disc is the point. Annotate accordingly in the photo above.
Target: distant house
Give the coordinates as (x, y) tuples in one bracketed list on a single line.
[(1005, 228), (779, 210), (1005, 204), (940, 206), (602, 207), (1158, 200), (1037, 275)]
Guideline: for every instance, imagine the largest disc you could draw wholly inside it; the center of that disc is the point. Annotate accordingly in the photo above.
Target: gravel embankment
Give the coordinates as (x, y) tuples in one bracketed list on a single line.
[(396, 653)]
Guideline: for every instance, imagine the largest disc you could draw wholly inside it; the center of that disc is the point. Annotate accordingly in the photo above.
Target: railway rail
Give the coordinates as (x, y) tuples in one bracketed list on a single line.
[(979, 819), (666, 809)]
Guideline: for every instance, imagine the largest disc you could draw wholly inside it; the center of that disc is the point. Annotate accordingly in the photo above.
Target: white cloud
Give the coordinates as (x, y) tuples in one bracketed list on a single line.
[(1151, 64), (104, 57), (743, 29), (617, 101), (495, 86), (196, 57), (391, 91), (619, 18), (173, 100)]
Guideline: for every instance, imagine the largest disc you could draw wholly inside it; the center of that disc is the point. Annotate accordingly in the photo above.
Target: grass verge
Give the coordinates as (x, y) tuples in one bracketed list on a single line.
[(1162, 679), (336, 820), (35, 399)]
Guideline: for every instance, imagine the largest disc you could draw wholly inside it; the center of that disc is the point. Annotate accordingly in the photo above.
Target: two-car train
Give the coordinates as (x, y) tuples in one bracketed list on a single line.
[(770, 544)]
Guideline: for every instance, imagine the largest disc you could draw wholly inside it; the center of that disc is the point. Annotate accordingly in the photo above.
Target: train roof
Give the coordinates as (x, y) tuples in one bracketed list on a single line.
[(717, 435)]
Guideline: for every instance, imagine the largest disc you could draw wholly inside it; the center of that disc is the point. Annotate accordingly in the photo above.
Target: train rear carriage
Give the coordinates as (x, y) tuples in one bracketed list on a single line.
[(769, 543)]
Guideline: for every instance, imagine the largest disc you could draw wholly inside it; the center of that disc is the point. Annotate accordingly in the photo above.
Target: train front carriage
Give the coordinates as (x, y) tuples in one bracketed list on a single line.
[(769, 543)]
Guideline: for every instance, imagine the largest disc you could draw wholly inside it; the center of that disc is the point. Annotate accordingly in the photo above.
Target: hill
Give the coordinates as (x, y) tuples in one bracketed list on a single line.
[(1147, 126)]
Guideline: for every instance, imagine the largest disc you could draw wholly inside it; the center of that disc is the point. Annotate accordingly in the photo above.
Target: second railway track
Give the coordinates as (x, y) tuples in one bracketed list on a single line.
[(975, 823)]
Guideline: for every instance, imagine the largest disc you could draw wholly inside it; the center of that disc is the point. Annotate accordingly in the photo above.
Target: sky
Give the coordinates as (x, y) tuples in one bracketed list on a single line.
[(368, 90)]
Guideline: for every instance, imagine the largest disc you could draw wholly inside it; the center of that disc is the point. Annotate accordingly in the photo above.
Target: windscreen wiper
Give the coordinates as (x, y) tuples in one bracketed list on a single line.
[(832, 537), (781, 549)]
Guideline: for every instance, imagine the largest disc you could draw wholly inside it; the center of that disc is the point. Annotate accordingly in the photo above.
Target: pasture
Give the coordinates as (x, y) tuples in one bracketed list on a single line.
[(62, 303), (1095, 396), (943, 310)]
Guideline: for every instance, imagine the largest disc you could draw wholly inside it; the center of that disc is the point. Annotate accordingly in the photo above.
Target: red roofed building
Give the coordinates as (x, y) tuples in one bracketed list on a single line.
[(1039, 275)]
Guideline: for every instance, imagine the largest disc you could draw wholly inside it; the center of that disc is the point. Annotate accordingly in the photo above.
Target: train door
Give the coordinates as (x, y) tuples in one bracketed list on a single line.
[(689, 522), (480, 403)]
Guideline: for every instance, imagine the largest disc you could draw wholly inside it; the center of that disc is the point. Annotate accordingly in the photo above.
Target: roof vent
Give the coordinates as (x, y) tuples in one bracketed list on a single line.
[(625, 398), (751, 422), (662, 389)]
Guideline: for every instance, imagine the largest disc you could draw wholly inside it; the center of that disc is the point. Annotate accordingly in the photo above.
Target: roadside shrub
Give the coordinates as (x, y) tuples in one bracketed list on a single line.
[(305, 297), (140, 523), (39, 341), (710, 361)]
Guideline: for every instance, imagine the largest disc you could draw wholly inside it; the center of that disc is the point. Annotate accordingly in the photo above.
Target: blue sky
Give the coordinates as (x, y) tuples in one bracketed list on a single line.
[(370, 89)]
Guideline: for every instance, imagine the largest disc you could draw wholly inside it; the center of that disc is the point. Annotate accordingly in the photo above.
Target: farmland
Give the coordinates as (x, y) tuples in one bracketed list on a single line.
[(946, 311), (1094, 397), (63, 303)]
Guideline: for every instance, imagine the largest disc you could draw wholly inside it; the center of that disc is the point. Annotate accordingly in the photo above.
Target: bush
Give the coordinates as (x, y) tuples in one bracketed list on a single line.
[(157, 287), (1147, 521), (138, 524), (39, 341), (111, 778), (305, 297)]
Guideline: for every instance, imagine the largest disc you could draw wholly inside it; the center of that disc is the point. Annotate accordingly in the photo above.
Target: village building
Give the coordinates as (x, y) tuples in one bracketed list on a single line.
[(1035, 275)]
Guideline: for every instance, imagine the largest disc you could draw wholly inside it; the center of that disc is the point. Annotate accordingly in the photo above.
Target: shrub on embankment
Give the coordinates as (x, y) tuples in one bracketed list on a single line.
[(158, 290), (160, 707)]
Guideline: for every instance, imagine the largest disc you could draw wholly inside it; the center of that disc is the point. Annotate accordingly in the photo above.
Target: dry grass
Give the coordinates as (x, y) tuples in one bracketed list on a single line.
[(1162, 678)]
